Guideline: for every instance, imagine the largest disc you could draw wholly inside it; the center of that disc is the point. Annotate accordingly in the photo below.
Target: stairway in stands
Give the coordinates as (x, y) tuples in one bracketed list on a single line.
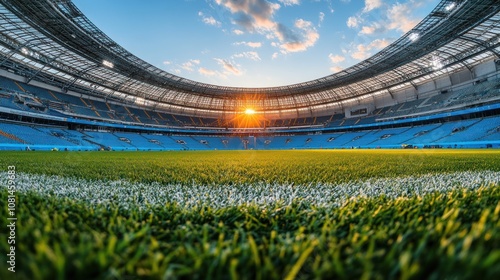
[(12, 137)]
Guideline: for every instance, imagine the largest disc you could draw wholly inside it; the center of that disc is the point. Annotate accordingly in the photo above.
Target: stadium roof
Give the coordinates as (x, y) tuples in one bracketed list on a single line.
[(52, 41)]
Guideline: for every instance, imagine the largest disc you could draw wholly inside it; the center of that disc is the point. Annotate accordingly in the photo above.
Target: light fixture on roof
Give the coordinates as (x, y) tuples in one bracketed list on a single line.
[(413, 36), (436, 63), (25, 51), (450, 6), (108, 63)]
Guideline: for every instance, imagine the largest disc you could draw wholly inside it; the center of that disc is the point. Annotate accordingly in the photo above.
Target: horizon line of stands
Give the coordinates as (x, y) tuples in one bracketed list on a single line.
[(21, 96), (478, 133)]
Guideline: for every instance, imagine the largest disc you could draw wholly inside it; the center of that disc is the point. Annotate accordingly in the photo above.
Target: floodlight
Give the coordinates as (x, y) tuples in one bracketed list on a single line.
[(413, 37), (450, 6), (437, 64), (108, 64)]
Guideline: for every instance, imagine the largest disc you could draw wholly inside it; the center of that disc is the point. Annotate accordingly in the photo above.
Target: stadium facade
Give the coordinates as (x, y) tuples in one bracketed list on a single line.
[(65, 84)]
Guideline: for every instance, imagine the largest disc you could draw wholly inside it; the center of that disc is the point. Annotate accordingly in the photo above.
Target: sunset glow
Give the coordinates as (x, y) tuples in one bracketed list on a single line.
[(249, 111)]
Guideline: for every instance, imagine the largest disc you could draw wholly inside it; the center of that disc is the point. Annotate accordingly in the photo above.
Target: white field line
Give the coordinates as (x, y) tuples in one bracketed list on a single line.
[(128, 194)]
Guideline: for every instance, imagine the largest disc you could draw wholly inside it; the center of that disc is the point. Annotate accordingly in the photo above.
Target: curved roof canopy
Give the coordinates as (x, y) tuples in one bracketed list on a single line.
[(52, 41)]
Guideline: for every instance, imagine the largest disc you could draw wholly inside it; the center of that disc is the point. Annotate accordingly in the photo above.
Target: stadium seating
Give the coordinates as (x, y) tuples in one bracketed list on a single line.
[(452, 134), (95, 109), (353, 132), (43, 138), (110, 141), (163, 141)]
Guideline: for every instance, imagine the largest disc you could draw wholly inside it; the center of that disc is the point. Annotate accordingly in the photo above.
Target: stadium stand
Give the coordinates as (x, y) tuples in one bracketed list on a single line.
[(44, 105), (444, 133)]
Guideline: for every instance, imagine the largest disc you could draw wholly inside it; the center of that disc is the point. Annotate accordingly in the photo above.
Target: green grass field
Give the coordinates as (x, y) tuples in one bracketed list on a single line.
[(348, 214)]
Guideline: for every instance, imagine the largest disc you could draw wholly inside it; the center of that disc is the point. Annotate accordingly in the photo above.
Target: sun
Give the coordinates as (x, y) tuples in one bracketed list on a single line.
[(247, 118), (249, 111)]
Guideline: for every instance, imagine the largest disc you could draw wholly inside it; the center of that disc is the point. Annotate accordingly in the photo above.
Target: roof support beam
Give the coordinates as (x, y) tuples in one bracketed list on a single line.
[(483, 44)]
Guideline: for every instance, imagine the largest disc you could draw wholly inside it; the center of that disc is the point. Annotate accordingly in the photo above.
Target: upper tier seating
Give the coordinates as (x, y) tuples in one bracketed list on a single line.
[(24, 97)]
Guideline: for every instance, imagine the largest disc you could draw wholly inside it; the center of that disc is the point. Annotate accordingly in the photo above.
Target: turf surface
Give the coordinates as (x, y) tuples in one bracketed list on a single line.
[(453, 233)]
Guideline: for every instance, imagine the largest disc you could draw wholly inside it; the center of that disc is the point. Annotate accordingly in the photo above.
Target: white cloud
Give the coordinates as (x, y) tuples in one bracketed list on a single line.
[(336, 69), (352, 22), (229, 67), (367, 30), (252, 14), (372, 5), (303, 24), (166, 62), (396, 17), (249, 44), (212, 73), (361, 53), (206, 72), (336, 58), (254, 44), (380, 43), (250, 55), (209, 20), (374, 28), (275, 55), (400, 16), (189, 65), (238, 32), (258, 16), (307, 39), (290, 2), (321, 17), (364, 51)]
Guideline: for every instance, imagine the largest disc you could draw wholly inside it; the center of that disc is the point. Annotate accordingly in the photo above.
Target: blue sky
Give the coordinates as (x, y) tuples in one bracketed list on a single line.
[(254, 43)]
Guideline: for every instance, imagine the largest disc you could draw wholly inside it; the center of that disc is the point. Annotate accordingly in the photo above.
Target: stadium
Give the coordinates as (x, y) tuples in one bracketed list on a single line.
[(250, 182)]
